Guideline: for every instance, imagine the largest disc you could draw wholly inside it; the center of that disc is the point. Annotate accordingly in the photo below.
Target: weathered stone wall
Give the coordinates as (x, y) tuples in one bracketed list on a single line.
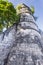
[(28, 49), (22, 46), (6, 42)]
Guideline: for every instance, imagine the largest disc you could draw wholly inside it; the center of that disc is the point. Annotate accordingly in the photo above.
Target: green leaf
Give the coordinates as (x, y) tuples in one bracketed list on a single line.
[(8, 15)]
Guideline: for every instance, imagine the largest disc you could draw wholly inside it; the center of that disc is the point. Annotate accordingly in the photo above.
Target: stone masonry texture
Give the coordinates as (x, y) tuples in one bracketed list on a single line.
[(22, 46)]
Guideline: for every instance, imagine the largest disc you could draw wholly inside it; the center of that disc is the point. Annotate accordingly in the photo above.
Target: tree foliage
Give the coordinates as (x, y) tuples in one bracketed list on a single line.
[(8, 14), (18, 7), (32, 9)]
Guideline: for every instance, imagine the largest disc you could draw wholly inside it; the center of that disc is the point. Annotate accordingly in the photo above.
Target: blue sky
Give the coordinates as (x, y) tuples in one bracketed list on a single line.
[(38, 4)]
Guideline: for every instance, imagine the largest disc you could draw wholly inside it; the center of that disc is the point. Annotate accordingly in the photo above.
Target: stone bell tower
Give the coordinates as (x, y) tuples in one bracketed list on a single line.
[(28, 48), (27, 20)]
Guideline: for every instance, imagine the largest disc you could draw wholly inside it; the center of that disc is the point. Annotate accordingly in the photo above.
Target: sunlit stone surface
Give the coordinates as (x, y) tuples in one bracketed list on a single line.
[(22, 46)]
